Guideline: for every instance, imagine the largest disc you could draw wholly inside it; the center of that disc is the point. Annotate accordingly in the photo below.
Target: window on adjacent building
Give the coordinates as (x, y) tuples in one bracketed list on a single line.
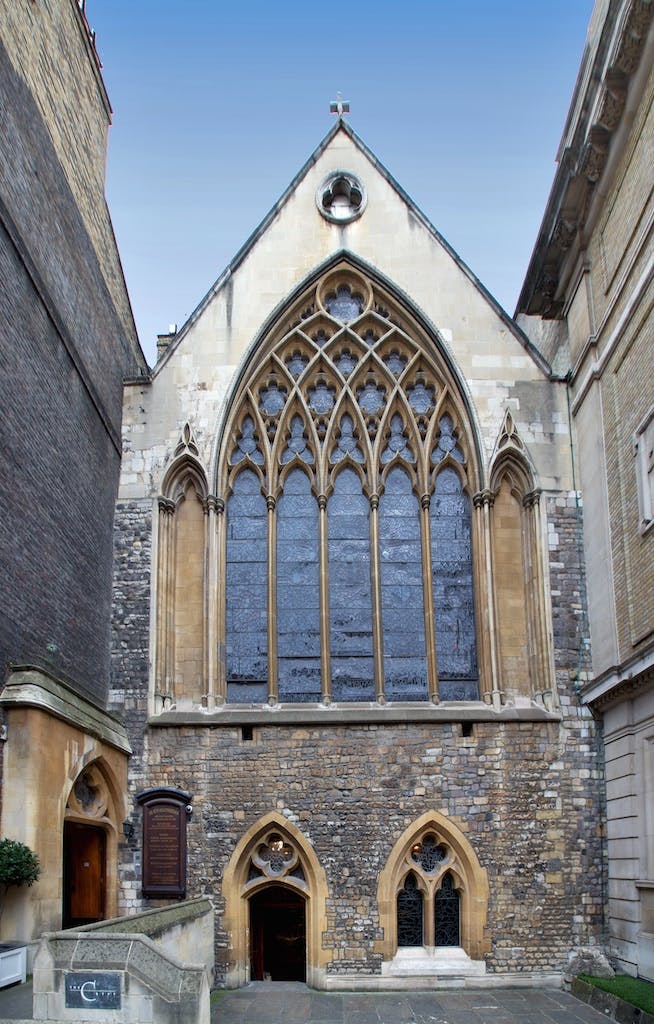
[(644, 452)]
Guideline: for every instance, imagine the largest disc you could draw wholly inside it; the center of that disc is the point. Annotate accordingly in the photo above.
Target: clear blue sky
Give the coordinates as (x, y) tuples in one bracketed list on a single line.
[(218, 104)]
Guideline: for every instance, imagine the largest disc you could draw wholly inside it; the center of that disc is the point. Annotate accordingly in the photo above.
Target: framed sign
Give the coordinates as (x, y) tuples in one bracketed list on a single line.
[(165, 815)]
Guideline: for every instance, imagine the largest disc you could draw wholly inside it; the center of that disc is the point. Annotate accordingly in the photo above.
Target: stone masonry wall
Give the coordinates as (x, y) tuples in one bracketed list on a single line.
[(527, 794)]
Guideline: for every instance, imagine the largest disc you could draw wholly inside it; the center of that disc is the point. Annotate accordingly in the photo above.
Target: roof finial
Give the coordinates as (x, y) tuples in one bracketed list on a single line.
[(339, 106)]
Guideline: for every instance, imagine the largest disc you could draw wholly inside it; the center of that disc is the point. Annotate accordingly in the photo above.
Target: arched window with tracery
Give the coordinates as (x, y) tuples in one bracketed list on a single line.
[(347, 467), (433, 893)]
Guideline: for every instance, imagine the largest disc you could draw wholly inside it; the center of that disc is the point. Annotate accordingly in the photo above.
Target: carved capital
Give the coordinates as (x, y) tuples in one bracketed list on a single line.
[(166, 506), (531, 499), (215, 504), (322, 502), (485, 497), (374, 502), (271, 502), (425, 501)]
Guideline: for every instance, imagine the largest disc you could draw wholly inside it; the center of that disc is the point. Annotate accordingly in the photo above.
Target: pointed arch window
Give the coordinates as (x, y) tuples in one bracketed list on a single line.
[(347, 470)]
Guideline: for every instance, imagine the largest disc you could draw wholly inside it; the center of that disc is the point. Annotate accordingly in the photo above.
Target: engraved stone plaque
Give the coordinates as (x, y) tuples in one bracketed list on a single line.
[(92, 991)]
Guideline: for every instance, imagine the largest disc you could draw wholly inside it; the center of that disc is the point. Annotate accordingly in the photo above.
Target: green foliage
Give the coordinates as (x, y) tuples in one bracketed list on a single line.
[(18, 865), (632, 990)]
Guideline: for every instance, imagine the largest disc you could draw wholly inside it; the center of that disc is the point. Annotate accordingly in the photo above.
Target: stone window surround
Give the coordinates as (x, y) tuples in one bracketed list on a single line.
[(470, 879)]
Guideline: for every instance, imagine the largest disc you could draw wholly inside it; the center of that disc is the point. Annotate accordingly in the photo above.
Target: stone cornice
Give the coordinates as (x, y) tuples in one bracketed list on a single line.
[(29, 687), (620, 683), (601, 97)]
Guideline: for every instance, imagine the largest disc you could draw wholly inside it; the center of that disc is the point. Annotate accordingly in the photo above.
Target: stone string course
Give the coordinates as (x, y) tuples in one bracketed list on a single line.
[(526, 794)]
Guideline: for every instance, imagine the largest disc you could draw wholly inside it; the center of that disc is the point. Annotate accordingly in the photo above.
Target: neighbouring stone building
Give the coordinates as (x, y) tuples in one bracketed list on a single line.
[(67, 339), (587, 303), (352, 695)]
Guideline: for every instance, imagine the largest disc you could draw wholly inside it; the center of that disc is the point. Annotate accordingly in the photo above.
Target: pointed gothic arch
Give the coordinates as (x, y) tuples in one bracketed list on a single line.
[(348, 388), (273, 852), (182, 594), (433, 850), (94, 805), (523, 647)]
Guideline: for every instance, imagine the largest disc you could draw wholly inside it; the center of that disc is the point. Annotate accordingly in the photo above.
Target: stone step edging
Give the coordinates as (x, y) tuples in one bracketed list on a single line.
[(610, 1005)]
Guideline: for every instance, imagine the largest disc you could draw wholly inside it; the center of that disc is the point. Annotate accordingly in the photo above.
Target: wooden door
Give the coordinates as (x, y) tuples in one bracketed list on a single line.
[(84, 874)]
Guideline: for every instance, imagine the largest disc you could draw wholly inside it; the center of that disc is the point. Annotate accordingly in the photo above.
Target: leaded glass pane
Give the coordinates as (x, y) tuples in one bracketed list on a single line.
[(350, 607), (346, 442), (297, 444), (247, 445), (395, 362), (454, 612), (344, 305), (298, 595), (447, 443), (397, 443), (429, 853), (346, 362), (405, 670), (246, 574), (447, 914), (409, 914), (296, 363)]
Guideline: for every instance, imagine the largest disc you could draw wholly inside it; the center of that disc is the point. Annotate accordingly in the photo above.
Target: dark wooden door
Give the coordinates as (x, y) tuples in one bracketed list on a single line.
[(278, 948), (84, 874)]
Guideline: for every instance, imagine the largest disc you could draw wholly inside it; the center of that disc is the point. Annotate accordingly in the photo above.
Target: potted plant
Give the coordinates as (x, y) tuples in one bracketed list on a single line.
[(18, 866)]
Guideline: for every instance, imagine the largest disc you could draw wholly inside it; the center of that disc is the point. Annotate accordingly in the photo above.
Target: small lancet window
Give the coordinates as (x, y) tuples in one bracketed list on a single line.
[(410, 913), (447, 914)]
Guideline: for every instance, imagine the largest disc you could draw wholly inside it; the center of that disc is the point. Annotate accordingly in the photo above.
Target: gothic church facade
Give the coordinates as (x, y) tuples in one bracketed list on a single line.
[(348, 607)]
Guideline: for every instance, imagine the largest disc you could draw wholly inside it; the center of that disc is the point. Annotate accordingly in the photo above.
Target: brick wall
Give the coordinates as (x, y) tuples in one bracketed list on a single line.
[(66, 342)]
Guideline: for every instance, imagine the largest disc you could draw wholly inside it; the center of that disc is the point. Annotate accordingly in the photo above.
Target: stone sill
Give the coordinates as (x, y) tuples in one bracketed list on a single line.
[(359, 714)]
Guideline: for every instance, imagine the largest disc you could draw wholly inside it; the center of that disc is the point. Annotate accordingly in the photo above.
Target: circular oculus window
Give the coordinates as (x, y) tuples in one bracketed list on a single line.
[(341, 198)]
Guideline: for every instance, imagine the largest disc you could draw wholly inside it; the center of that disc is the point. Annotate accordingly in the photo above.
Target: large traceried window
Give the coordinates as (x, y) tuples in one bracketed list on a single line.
[(346, 474)]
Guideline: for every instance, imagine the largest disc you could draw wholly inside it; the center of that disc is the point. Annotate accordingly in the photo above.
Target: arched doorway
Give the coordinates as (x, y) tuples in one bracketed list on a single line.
[(89, 848), (278, 943), (275, 893), (84, 874)]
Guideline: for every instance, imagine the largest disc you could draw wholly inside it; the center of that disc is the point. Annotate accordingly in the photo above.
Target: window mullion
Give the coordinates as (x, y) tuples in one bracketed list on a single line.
[(323, 556), (220, 559), (273, 675), (428, 600), (375, 584)]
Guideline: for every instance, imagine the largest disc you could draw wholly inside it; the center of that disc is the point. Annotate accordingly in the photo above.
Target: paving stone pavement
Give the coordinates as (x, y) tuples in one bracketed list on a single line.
[(294, 1003)]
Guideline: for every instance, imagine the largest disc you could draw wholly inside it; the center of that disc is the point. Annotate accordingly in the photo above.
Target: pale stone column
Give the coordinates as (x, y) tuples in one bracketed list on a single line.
[(221, 601), (323, 556), (428, 599), (214, 508), (165, 610), (375, 586), (543, 681), (483, 502), (273, 677)]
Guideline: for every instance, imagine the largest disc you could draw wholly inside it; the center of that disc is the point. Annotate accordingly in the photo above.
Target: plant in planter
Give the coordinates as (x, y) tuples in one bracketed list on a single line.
[(18, 866)]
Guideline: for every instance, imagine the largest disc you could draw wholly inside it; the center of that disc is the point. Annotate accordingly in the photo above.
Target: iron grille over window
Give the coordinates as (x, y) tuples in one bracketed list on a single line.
[(409, 913)]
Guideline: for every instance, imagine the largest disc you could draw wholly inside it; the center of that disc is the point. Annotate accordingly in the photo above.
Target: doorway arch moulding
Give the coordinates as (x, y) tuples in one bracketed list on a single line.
[(245, 875)]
